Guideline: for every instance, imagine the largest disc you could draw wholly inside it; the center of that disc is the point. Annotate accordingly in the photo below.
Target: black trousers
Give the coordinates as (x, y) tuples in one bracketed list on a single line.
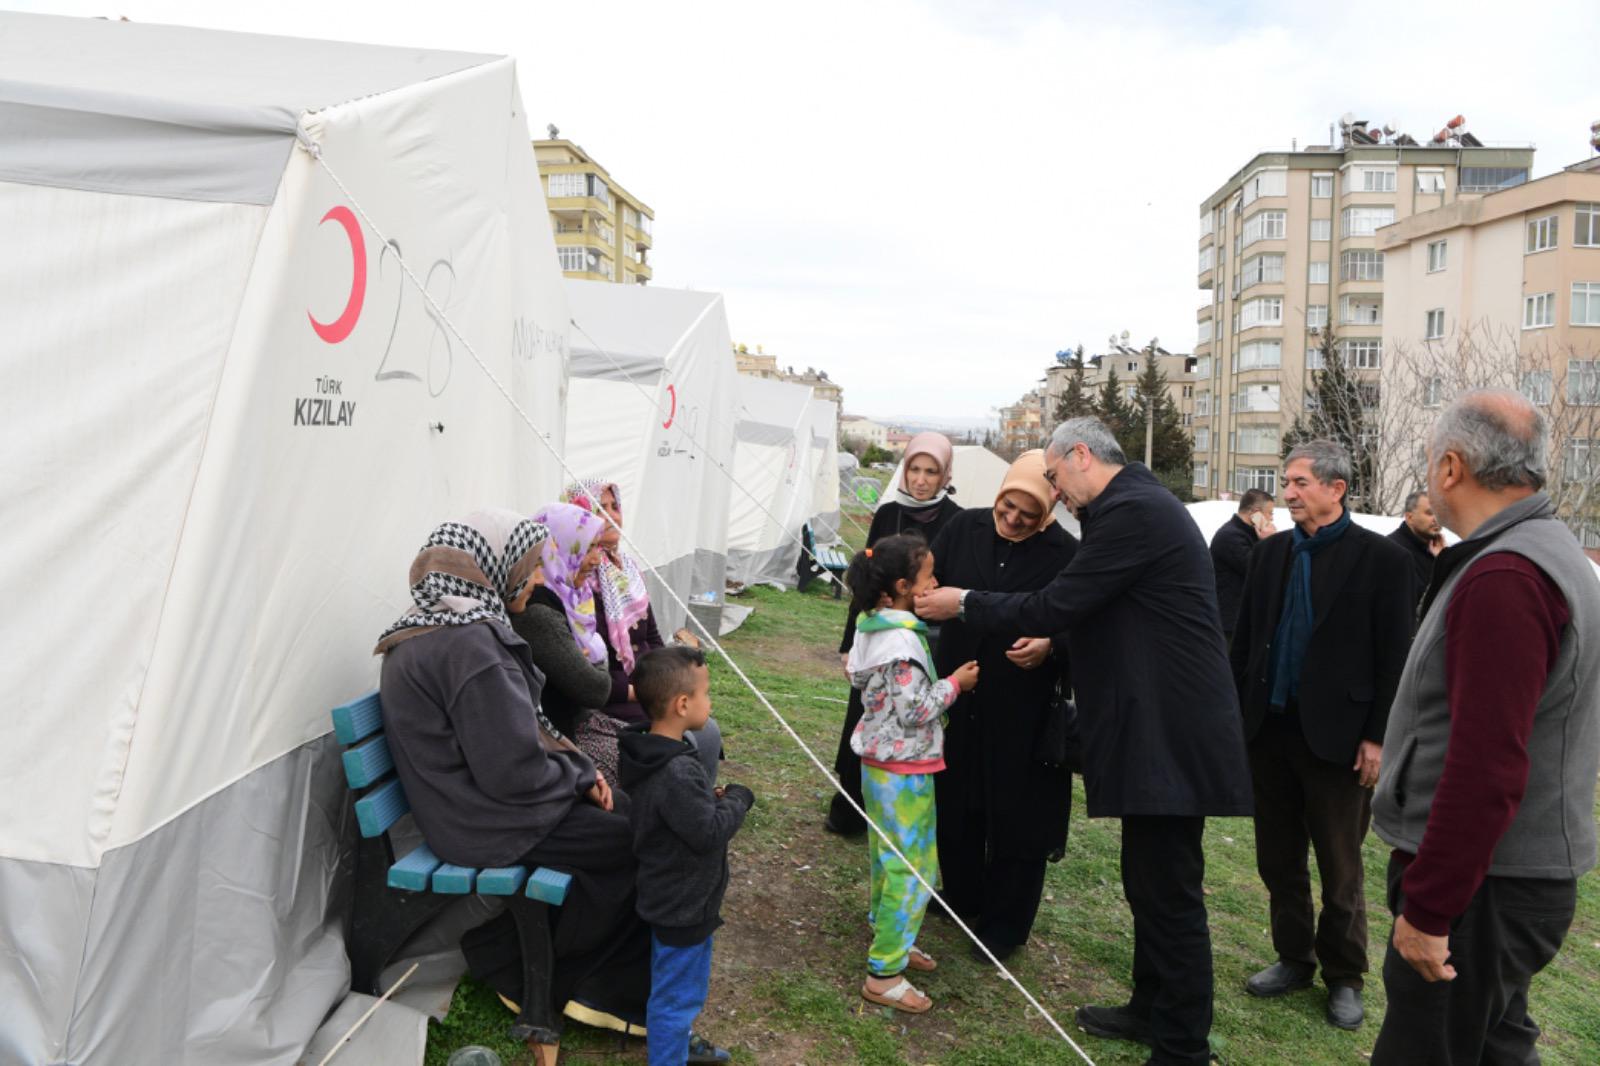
[(847, 765), (1163, 868), (1305, 802), (1511, 930), (601, 948)]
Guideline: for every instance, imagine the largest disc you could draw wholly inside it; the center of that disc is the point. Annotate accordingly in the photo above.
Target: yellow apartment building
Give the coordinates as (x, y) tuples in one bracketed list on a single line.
[(602, 231), (1289, 247)]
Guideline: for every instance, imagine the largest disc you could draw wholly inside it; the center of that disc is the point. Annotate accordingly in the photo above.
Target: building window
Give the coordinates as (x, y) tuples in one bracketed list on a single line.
[(1361, 265), (1318, 273), (1263, 226), (1580, 459), (1256, 398), (1586, 303), (1587, 231), (1314, 361), (1316, 317), (1360, 310), (1260, 268), (1362, 355), (1542, 234), (1208, 258), (1538, 386), (1583, 381), (1202, 474), (1205, 331), (1202, 438), (567, 185), (1434, 330), (1321, 186), (1208, 224), (1489, 179), (1260, 355), (1322, 229), (1133, 366), (1372, 179), (1202, 404), (1265, 183), (1364, 221), (1262, 311), (1202, 367), (1433, 391), (1218, 330), (1436, 255), (1264, 478), (1430, 181), (1539, 310), (1188, 392), (1258, 440)]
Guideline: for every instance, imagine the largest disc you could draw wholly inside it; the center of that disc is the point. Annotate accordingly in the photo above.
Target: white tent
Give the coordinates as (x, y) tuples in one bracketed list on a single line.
[(976, 475), (1212, 515), (824, 512), (773, 465), (653, 382), (229, 424)]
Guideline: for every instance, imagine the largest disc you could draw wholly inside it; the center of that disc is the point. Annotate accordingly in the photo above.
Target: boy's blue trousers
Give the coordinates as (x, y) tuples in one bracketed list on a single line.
[(680, 978)]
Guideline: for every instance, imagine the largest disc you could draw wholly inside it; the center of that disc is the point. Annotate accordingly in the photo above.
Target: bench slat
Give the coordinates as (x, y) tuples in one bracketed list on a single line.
[(451, 880), (549, 885), (367, 762), (381, 808), (501, 880), (412, 872), (833, 560), (358, 719)]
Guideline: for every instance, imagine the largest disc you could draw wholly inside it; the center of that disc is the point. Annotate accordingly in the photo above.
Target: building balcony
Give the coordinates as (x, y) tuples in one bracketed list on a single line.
[(591, 204), (1208, 278), (640, 237), (637, 270), (588, 239)]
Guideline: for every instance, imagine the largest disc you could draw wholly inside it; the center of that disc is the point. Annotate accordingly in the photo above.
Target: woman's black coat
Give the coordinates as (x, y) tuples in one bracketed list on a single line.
[(1157, 708), (991, 740)]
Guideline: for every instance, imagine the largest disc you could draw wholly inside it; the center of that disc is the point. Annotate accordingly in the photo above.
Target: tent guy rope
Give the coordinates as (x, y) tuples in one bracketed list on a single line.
[(314, 149)]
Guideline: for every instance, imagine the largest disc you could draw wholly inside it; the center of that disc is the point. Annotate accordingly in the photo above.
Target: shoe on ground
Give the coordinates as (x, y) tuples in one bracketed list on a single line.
[(1114, 1023), (1280, 979), (831, 826), (703, 1050), (1344, 1007)]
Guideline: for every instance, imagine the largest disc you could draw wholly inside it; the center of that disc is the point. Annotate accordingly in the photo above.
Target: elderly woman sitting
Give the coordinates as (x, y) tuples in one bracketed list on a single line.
[(492, 782), (623, 618)]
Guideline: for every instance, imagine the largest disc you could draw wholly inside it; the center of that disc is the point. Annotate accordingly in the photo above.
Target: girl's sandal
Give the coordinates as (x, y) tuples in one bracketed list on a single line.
[(896, 996), (920, 960)]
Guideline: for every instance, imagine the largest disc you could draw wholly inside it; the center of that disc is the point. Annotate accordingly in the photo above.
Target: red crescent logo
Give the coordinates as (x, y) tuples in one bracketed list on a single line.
[(337, 330), (672, 391)]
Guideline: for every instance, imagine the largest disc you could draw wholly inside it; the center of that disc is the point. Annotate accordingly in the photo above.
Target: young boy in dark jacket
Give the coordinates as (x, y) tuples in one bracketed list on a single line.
[(681, 829)]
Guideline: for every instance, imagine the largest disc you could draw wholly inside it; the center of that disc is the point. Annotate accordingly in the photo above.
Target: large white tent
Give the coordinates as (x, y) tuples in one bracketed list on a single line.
[(652, 387), (774, 468), (824, 510), (230, 422)]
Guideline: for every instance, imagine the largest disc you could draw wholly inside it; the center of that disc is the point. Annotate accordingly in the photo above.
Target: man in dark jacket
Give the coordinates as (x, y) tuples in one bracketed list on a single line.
[(1230, 552), (1323, 631), (681, 829), (1487, 791), (1162, 744), (1419, 534)]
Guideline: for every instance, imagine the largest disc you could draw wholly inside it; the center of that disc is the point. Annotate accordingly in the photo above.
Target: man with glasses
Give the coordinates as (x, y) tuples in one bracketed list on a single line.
[(1162, 742)]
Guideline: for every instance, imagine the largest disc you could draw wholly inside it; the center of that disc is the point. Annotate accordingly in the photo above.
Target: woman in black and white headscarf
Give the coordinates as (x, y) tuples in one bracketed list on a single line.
[(490, 781)]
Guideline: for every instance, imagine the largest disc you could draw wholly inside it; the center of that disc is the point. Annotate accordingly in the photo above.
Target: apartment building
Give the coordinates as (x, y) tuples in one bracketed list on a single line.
[(1502, 290), (602, 231), (1289, 248), (1128, 362), (1022, 424), (759, 364)]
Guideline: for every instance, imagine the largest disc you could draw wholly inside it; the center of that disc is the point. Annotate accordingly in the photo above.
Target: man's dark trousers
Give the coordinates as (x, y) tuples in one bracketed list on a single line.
[(1163, 868), (1511, 930), (1304, 802)]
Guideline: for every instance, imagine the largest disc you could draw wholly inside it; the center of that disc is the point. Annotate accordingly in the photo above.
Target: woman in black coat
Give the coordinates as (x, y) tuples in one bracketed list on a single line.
[(919, 503), (1002, 809)]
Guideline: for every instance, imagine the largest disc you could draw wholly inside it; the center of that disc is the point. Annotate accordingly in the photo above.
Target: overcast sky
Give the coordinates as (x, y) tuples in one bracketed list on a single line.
[(927, 201)]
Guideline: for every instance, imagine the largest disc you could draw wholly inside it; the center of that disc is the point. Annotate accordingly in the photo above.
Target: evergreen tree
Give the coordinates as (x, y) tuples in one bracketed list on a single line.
[(1076, 401), (1111, 407), (1335, 409), (1171, 450)]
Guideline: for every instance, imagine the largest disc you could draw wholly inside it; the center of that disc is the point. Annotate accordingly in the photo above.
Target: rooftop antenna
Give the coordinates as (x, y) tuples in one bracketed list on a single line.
[(555, 134)]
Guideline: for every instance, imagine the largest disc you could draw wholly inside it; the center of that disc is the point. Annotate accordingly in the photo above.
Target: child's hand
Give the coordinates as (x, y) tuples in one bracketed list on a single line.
[(966, 676)]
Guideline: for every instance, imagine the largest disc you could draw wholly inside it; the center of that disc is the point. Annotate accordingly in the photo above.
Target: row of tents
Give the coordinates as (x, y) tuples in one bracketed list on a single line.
[(274, 308)]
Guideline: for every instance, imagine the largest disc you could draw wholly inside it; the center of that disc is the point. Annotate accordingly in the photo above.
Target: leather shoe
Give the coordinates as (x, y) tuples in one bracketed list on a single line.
[(1114, 1023), (1280, 978), (1344, 1007)]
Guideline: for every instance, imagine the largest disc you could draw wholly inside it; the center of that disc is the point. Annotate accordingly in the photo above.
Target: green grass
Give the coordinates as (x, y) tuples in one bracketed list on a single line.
[(790, 959)]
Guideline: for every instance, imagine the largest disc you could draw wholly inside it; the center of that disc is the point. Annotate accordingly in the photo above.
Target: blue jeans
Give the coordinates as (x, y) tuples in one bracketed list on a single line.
[(679, 981)]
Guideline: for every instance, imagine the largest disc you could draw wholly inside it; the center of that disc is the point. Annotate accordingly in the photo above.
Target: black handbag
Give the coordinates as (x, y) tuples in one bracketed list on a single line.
[(1058, 743)]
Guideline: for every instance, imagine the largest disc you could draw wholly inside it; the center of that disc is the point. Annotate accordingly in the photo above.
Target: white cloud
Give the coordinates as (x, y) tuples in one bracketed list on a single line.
[(929, 199)]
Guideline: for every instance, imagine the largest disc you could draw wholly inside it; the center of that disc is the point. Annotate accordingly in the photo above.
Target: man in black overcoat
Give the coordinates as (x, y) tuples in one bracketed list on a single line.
[(1420, 534), (1230, 552), (1162, 744), (1323, 632)]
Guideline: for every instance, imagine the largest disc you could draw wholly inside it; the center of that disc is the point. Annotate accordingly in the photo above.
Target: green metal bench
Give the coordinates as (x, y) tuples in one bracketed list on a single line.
[(814, 561), (396, 896)]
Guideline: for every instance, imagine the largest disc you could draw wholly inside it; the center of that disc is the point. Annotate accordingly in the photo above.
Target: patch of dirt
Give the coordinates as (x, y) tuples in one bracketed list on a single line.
[(786, 655)]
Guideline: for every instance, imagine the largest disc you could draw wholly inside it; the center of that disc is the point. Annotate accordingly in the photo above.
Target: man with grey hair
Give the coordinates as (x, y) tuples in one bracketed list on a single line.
[(1488, 785), (1160, 724), (1324, 626), (1419, 534)]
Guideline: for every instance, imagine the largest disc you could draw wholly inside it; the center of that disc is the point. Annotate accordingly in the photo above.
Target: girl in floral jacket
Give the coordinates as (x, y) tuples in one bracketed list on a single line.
[(901, 743)]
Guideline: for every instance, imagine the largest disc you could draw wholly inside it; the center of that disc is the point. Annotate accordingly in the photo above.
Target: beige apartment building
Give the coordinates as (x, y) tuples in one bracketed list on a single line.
[(602, 231), (1502, 290), (1289, 247), (1128, 362), (759, 364)]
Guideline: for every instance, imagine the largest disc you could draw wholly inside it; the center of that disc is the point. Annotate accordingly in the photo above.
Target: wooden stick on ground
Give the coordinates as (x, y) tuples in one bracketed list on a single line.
[(380, 1001)]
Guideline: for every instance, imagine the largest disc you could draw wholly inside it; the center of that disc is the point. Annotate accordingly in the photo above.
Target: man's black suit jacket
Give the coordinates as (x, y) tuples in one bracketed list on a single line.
[(1361, 632)]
